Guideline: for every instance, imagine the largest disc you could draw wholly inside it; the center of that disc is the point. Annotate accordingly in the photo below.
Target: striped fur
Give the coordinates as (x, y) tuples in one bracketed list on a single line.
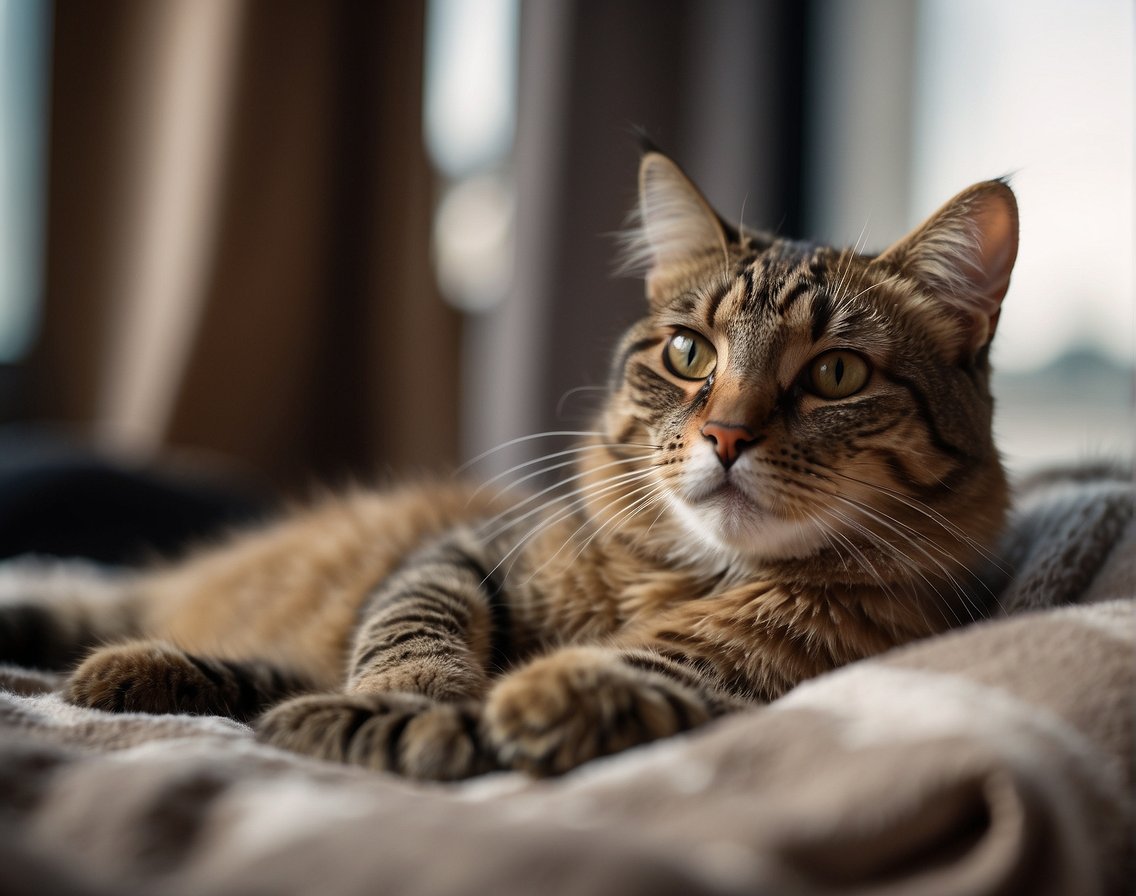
[(715, 540)]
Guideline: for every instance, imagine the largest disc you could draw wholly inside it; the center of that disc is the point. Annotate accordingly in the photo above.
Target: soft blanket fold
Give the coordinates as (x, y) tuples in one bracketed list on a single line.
[(998, 758)]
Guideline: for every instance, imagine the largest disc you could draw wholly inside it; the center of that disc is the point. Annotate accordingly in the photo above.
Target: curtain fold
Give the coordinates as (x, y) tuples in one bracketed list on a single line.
[(238, 238)]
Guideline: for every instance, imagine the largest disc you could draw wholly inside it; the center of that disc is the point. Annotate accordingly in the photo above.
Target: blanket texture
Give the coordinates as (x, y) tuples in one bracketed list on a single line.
[(997, 758)]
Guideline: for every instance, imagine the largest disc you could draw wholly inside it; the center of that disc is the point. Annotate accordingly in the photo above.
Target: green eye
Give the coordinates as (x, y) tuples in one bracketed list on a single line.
[(690, 355), (837, 374)]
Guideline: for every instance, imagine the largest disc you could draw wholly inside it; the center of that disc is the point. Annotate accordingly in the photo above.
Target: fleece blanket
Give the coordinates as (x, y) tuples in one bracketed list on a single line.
[(997, 758)]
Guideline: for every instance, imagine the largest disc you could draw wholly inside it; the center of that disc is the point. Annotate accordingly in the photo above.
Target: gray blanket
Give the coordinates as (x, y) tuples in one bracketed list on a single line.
[(997, 758)]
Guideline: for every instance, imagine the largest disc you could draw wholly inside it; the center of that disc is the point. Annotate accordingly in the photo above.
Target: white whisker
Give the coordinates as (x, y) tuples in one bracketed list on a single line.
[(908, 562), (607, 481), (576, 390), (934, 516), (655, 488), (584, 495), (549, 469), (846, 270), (908, 538), (563, 433), (878, 283)]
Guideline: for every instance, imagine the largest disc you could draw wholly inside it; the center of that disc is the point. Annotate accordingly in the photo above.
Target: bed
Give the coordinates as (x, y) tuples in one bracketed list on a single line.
[(996, 758)]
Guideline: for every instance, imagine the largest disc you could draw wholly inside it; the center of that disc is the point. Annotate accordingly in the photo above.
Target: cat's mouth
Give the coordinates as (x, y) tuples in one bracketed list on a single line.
[(725, 512), (728, 491), (729, 497), (727, 505)]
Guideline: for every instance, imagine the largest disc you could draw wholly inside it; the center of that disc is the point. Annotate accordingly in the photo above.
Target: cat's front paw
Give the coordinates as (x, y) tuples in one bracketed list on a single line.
[(144, 676), (580, 703), (402, 733)]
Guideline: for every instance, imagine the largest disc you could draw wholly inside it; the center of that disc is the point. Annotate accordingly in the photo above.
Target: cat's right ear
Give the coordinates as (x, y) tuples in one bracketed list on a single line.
[(675, 224), (964, 254)]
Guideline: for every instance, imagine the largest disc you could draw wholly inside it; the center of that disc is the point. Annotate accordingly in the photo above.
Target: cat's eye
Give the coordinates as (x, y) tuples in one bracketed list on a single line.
[(837, 374), (690, 355)]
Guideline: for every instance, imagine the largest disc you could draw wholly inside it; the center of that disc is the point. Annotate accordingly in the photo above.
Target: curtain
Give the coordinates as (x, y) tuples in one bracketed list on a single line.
[(239, 219), (237, 263)]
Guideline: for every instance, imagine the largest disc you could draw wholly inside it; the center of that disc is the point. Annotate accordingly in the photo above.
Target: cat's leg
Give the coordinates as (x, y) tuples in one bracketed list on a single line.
[(404, 733), (53, 611), (156, 677), (427, 641), (578, 703)]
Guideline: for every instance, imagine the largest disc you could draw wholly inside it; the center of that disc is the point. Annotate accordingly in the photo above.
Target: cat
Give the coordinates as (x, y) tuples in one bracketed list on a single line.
[(793, 469)]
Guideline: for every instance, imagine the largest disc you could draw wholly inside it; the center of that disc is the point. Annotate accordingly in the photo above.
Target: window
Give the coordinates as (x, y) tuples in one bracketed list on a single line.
[(24, 26), (914, 102)]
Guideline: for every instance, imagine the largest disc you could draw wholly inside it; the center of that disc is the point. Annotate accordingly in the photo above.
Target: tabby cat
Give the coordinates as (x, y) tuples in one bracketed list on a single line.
[(793, 469)]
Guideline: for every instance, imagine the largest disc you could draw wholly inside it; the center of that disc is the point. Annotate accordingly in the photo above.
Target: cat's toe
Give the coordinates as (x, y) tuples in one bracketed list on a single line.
[(147, 676), (577, 704), (402, 733)]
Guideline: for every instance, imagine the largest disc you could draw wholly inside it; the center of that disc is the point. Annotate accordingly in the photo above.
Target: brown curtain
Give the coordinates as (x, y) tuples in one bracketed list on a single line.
[(238, 232)]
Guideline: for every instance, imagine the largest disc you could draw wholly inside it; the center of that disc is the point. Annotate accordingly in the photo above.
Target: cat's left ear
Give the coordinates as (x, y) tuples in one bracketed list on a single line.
[(675, 223), (964, 254)]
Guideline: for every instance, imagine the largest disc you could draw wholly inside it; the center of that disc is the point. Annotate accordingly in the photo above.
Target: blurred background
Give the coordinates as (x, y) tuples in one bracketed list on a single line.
[(302, 242)]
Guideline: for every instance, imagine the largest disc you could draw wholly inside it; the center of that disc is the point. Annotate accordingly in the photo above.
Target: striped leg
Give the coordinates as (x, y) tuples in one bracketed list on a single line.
[(579, 703), (53, 611), (438, 628), (428, 641), (156, 677), (403, 733)]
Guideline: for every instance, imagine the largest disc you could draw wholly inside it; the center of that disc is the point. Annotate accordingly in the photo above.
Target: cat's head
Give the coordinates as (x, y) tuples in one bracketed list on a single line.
[(797, 401)]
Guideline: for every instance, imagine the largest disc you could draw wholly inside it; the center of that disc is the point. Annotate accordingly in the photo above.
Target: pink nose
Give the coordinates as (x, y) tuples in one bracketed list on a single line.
[(729, 440)]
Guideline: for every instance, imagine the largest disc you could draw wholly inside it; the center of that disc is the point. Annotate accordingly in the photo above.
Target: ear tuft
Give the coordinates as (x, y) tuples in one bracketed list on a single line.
[(674, 222), (964, 254)]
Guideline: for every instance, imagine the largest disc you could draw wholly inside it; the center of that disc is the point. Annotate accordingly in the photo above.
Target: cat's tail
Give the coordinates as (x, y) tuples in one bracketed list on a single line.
[(52, 611)]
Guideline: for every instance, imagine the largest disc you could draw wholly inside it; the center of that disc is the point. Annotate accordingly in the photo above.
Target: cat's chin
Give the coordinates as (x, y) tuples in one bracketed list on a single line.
[(729, 523)]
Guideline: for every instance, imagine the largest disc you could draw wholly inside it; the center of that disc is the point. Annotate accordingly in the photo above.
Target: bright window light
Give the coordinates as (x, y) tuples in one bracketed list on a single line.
[(471, 75), (1041, 90), (23, 67), (470, 119)]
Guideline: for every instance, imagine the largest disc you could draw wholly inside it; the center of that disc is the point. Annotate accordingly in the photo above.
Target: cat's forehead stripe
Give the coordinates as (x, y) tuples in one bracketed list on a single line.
[(751, 285), (747, 287), (716, 299), (770, 281), (822, 310), (790, 294), (782, 275)]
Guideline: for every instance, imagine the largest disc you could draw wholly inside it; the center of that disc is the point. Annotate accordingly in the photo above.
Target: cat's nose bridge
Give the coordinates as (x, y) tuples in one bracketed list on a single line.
[(743, 401), (735, 419)]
